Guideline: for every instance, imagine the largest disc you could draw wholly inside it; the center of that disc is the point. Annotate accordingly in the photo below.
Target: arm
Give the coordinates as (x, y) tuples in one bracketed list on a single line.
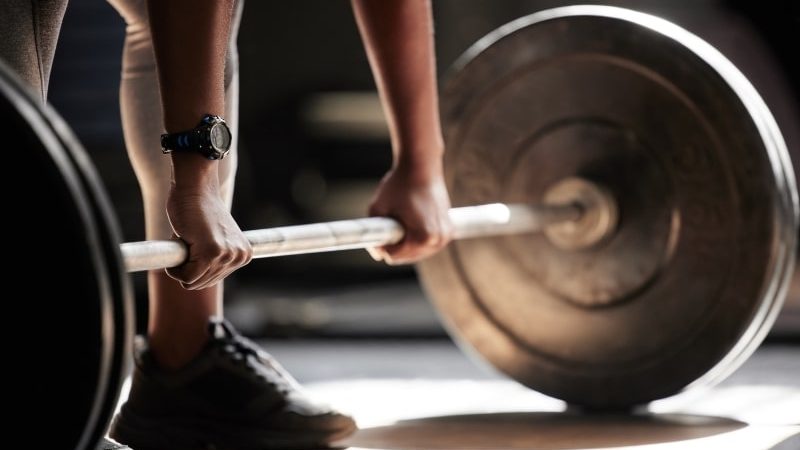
[(190, 40), (398, 36)]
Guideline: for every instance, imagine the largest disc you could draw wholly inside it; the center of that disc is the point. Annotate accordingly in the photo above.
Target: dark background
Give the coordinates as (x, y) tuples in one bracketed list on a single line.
[(296, 167)]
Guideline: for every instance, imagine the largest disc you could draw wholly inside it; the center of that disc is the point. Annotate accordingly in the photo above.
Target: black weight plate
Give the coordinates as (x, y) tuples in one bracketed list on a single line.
[(82, 304)]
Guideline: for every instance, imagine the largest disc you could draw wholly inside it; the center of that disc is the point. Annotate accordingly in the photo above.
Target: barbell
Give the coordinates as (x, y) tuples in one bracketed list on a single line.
[(579, 214), (657, 176)]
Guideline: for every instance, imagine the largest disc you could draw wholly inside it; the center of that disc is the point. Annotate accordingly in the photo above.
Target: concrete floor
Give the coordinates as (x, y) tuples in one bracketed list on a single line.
[(427, 395)]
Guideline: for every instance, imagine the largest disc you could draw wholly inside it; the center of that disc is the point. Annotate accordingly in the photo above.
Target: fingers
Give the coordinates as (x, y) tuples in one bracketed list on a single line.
[(418, 243), (209, 264), (415, 247), (377, 253), (188, 273), (227, 265)]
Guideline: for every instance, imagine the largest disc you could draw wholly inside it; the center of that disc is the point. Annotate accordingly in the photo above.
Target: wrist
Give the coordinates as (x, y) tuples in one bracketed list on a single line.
[(192, 172), (421, 169)]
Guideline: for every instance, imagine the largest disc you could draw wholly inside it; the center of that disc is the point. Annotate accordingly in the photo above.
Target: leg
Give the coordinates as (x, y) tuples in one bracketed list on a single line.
[(199, 384), (28, 34), (178, 318)]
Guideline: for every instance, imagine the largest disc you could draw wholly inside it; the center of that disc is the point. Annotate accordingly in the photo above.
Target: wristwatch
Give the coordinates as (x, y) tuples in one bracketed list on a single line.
[(211, 138)]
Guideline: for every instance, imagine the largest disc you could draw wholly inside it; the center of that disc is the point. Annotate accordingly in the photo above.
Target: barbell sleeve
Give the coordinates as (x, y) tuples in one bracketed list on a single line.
[(469, 222)]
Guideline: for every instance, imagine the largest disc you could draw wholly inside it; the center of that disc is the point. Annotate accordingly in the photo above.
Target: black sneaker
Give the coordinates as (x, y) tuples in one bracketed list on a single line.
[(108, 444), (232, 396)]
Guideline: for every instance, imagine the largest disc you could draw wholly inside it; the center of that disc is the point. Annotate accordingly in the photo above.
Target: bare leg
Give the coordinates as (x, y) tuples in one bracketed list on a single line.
[(178, 318)]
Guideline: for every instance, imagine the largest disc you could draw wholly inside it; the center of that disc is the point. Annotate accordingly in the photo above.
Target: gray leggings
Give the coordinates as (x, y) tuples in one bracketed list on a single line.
[(28, 34)]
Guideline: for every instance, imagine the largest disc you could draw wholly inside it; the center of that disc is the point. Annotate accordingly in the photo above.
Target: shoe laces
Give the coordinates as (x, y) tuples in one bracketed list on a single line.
[(246, 352)]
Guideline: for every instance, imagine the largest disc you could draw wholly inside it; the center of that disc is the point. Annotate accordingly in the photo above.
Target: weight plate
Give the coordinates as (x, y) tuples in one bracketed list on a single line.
[(696, 271), (83, 305), (123, 311)]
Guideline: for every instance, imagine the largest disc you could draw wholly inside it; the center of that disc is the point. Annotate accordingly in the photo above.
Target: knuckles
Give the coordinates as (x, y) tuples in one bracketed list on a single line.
[(214, 257), (221, 253), (420, 243)]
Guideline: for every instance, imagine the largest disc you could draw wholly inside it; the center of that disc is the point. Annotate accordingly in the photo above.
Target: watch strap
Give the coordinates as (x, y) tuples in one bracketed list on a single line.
[(182, 141)]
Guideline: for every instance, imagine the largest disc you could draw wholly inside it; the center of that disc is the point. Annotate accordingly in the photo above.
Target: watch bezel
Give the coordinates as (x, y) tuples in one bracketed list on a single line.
[(221, 125)]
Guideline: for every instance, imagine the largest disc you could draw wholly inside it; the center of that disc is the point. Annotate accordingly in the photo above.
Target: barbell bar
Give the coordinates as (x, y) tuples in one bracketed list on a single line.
[(583, 215)]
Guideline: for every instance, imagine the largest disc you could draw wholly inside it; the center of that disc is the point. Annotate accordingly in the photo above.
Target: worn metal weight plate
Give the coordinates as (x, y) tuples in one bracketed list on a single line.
[(694, 275), (82, 304)]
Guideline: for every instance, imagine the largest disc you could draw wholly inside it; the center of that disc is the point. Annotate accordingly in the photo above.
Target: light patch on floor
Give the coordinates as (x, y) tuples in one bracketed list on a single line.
[(464, 414), (383, 402)]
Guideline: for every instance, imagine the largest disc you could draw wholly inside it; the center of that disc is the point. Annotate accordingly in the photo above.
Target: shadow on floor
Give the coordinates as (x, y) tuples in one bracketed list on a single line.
[(790, 443), (556, 431)]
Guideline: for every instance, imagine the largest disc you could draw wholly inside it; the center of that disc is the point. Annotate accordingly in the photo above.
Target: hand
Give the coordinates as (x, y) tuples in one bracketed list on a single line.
[(216, 245), (420, 204)]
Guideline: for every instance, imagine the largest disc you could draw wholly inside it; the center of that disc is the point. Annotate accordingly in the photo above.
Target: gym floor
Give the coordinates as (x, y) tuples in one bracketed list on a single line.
[(426, 394)]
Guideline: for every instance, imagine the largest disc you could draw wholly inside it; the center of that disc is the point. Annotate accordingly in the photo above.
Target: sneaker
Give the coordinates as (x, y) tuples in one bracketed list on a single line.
[(108, 444), (232, 396)]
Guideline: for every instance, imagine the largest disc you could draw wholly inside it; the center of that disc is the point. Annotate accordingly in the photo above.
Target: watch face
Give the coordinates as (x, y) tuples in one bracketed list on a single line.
[(220, 137)]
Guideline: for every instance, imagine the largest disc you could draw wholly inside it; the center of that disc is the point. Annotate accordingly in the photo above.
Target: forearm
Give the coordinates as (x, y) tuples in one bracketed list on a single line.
[(398, 36), (189, 38)]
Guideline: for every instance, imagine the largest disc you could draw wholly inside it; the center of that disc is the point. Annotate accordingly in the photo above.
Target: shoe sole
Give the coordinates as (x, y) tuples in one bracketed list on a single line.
[(145, 434)]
